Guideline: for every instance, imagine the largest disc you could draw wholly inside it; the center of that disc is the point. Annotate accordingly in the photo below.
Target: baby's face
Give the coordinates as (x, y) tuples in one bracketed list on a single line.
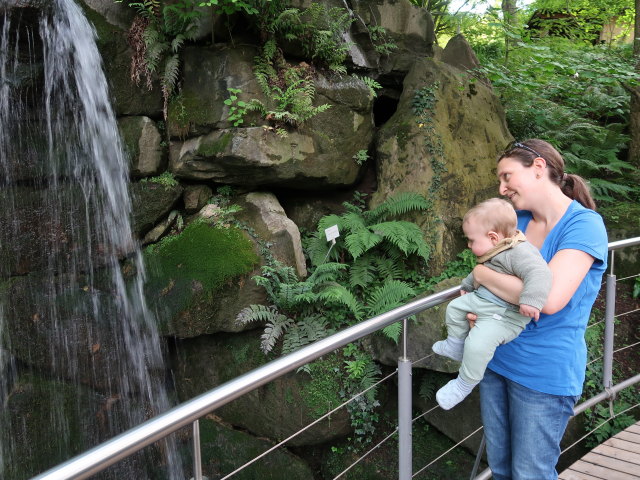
[(478, 239)]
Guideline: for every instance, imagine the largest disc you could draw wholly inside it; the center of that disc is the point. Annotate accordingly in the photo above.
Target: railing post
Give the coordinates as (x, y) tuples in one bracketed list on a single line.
[(609, 315), (405, 448), (197, 454)]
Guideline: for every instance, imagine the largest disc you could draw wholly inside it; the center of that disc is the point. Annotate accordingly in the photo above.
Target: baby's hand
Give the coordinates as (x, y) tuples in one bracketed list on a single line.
[(463, 292), (529, 311)]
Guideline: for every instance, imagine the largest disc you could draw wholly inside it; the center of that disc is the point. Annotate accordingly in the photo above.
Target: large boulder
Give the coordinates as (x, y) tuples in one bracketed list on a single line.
[(407, 26), (207, 73), (143, 145), (276, 410), (268, 219), (254, 157), (151, 203), (442, 142), (111, 22), (200, 279)]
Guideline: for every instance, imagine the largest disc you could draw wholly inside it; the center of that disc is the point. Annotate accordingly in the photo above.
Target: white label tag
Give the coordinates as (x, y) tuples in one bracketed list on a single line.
[(332, 233)]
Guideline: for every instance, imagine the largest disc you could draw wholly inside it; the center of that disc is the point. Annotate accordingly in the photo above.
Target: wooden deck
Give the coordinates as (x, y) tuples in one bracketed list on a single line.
[(616, 459)]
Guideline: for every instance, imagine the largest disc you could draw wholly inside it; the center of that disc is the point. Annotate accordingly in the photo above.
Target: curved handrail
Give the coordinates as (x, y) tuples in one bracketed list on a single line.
[(129, 442)]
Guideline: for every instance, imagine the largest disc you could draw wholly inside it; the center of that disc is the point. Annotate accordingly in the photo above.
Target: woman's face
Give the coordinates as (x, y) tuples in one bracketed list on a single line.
[(516, 181)]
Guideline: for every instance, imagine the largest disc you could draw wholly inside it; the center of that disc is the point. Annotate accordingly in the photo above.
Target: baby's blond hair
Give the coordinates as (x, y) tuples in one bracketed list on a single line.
[(495, 215)]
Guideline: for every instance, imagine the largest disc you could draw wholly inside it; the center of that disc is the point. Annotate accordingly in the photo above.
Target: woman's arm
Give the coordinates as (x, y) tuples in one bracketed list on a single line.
[(569, 267)]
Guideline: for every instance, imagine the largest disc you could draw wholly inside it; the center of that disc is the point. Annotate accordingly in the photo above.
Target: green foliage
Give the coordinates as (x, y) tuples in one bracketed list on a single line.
[(574, 97), (202, 253), (166, 179), (361, 156), (157, 36), (237, 108), (371, 84), (229, 7), (290, 89), (380, 39)]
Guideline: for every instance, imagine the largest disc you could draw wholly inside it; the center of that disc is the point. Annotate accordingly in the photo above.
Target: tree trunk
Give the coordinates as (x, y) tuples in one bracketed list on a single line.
[(634, 115), (509, 17)]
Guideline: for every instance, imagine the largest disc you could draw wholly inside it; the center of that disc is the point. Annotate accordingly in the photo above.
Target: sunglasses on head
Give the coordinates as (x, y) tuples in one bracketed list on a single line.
[(515, 144)]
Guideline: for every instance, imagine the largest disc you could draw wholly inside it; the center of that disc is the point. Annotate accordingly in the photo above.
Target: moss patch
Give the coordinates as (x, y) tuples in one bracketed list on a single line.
[(321, 394), (212, 148), (187, 271), (204, 254)]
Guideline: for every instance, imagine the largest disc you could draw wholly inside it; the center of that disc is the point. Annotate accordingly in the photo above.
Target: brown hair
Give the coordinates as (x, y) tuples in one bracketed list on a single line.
[(494, 214), (573, 186)]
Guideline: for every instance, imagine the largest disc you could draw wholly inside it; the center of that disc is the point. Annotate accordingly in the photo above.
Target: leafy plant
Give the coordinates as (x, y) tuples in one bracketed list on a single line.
[(361, 156), (581, 106), (237, 108), (371, 84), (291, 90), (157, 36), (166, 179)]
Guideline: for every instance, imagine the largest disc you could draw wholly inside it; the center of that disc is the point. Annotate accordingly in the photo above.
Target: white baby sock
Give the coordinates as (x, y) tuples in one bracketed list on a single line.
[(453, 393), (452, 347)]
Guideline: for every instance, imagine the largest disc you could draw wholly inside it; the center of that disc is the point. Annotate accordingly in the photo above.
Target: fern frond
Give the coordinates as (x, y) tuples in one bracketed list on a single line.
[(337, 294), (273, 331), (406, 236), (398, 205), (362, 272), (361, 241), (171, 70), (388, 296), (393, 331), (256, 313)]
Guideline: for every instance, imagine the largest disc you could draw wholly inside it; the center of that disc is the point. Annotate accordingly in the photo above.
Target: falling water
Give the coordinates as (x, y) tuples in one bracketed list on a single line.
[(80, 357)]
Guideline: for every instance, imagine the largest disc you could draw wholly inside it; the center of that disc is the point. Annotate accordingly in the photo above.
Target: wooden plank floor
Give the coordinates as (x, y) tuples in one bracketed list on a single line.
[(616, 459)]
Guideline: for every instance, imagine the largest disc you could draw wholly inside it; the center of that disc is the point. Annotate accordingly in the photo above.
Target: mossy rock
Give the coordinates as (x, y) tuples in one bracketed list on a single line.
[(224, 449), (191, 277), (276, 410), (441, 142), (142, 143), (151, 202)]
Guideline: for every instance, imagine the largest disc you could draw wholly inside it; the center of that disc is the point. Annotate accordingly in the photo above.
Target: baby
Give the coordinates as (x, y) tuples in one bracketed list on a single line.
[(491, 230)]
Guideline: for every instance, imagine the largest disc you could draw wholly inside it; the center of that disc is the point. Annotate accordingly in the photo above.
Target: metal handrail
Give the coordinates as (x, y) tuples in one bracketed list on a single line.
[(127, 443)]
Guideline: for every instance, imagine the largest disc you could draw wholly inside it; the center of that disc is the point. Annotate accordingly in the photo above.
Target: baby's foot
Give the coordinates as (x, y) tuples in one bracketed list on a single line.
[(447, 348), (453, 393)]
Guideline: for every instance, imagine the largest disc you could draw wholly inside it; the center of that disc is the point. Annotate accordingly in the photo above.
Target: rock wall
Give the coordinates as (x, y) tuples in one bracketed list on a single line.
[(282, 183)]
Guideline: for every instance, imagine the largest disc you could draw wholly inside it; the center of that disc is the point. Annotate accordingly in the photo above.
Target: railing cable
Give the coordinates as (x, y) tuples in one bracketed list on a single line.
[(615, 351), (278, 445), (366, 454), (627, 313), (455, 446), (606, 421), (423, 358), (630, 276)]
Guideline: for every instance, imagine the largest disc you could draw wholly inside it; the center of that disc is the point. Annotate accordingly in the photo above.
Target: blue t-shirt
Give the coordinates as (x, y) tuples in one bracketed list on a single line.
[(550, 355)]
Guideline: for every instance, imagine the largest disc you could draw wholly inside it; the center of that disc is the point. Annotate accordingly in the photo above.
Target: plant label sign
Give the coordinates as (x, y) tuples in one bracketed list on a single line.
[(332, 233)]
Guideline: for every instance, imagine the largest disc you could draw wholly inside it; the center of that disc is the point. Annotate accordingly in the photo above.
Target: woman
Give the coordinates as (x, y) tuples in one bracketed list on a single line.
[(533, 382)]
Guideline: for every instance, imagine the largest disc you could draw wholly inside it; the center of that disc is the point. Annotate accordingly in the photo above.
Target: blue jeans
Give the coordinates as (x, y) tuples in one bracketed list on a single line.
[(523, 428)]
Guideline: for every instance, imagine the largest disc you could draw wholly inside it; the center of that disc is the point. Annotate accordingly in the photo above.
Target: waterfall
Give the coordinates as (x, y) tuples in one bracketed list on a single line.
[(80, 356)]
